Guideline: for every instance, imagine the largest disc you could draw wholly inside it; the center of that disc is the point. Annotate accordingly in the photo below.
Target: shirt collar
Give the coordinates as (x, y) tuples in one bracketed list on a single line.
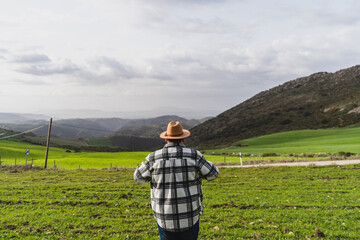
[(173, 144)]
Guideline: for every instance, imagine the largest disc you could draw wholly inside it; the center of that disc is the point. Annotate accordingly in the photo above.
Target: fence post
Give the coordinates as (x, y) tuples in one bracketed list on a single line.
[(48, 143), (240, 159)]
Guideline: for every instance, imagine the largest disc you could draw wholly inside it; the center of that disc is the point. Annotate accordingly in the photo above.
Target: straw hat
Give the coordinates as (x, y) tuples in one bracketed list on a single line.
[(175, 131)]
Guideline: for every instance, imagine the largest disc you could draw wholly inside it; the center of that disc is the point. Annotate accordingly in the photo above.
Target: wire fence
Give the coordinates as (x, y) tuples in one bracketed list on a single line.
[(22, 133), (54, 163), (54, 124)]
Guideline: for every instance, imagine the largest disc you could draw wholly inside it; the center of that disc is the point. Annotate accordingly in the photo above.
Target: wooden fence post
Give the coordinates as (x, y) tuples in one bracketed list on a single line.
[(48, 143)]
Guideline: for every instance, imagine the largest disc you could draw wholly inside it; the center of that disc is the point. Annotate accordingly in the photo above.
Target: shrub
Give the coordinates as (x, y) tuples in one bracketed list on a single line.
[(310, 155), (269, 155), (325, 121), (345, 154), (285, 122)]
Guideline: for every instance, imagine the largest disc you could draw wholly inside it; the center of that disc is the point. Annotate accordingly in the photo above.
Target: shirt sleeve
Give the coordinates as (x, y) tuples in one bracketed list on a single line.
[(207, 169), (142, 173)]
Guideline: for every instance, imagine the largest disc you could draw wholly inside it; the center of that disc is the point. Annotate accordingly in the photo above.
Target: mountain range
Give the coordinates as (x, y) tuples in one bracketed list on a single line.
[(321, 100), (20, 117), (98, 127), (122, 134)]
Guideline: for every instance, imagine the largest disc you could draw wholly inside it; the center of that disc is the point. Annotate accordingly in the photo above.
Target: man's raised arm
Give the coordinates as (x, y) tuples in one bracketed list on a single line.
[(142, 173), (207, 169)]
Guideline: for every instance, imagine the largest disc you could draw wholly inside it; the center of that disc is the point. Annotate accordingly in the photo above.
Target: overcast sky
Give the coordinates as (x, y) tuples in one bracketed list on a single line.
[(192, 55)]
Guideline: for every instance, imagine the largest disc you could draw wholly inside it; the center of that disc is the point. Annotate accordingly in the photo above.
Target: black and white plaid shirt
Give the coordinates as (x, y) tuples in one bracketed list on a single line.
[(175, 174)]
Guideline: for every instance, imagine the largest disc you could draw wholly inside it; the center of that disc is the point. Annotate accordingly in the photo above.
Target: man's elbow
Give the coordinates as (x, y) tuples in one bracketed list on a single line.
[(140, 180), (212, 177), (213, 174)]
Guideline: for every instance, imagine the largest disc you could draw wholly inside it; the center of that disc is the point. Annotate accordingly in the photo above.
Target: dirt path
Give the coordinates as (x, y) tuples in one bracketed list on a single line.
[(292, 164)]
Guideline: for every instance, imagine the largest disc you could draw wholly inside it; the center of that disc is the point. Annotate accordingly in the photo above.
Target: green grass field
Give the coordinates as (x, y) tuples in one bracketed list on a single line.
[(252, 203), (302, 141), (9, 151), (63, 159)]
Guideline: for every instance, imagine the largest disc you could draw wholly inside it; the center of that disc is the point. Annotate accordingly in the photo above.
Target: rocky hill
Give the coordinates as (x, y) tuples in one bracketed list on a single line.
[(321, 100)]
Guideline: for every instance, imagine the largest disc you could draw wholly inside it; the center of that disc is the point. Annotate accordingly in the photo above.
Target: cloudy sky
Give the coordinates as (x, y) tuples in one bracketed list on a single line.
[(196, 56)]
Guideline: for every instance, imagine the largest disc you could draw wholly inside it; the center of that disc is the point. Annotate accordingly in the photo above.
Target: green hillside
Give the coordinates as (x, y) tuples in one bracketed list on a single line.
[(319, 101), (10, 150), (301, 141)]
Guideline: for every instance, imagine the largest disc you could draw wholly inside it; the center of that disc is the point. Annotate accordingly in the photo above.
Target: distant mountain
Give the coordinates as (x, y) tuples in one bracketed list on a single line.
[(188, 113), (152, 127), (100, 127), (117, 134), (20, 117), (321, 100), (4, 132), (131, 143), (88, 127), (70, 128), (143, 134)]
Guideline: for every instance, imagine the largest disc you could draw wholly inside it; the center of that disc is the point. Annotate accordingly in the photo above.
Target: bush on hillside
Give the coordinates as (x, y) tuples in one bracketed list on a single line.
[(345, 154), (270, 155)]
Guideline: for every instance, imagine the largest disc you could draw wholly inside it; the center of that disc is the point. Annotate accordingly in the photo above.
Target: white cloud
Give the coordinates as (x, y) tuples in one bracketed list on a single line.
[(141, 54), (49, 68), (32, 58)]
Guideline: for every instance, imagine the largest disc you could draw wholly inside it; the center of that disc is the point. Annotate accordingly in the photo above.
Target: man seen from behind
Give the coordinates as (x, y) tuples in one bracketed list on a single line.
[(175, 173)]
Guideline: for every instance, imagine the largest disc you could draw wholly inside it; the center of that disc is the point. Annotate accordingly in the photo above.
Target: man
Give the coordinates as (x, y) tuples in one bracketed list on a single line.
[(175, 174)]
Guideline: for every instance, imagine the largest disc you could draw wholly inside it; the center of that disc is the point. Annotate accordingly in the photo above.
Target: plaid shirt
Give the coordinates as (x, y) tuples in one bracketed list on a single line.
[(175, 173)]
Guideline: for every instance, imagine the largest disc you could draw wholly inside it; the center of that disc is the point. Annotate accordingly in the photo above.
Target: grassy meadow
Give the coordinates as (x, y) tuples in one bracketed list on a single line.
[(248, 203), (251, 203), (301, 141), (291, 146), (67, 159)]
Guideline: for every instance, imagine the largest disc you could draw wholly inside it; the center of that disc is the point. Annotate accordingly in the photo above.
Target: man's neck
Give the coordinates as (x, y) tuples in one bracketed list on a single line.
[(173, 144)]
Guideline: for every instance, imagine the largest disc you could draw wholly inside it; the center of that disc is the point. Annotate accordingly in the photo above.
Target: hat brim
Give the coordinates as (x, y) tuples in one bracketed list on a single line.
[(185, 134)]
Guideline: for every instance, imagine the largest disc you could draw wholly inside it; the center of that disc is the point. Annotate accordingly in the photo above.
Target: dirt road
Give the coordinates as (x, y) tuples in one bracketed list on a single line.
[(292, 164)]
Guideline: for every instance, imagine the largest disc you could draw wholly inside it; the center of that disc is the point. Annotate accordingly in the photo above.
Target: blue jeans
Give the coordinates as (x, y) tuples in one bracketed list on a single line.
[(191, 234)]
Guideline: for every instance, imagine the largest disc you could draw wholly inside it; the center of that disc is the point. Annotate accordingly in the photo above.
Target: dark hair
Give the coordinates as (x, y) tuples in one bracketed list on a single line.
[(175, 140)]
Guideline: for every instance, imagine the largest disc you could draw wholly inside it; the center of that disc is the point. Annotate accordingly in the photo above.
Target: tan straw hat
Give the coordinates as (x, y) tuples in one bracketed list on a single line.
[(175, 131)]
